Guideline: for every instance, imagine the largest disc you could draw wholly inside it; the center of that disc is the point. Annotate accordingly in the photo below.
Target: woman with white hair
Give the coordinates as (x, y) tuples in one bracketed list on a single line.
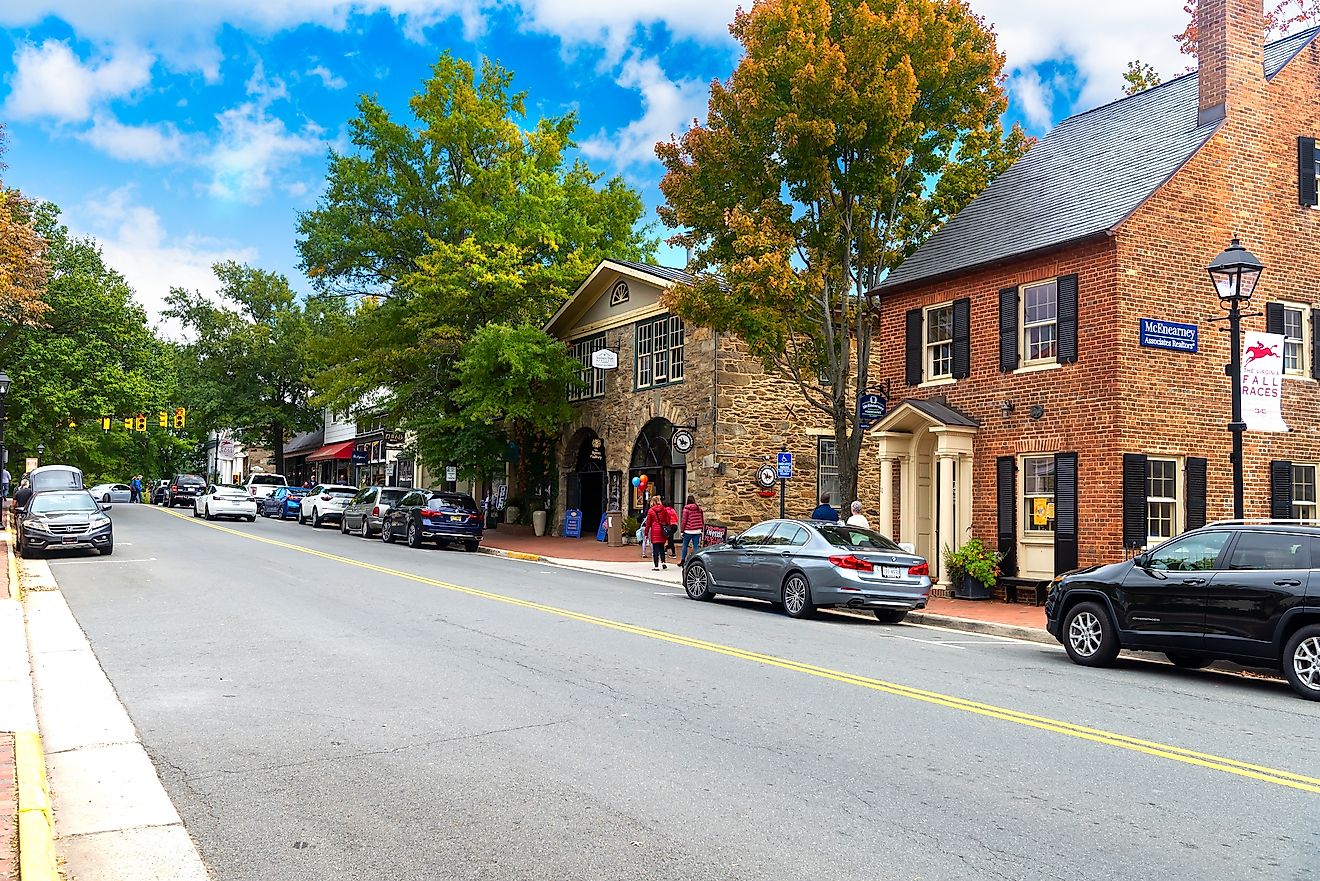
[(857, 518)]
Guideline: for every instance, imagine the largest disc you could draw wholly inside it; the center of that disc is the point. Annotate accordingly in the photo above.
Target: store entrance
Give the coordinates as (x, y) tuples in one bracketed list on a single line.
[(586, 482), (666, 471)]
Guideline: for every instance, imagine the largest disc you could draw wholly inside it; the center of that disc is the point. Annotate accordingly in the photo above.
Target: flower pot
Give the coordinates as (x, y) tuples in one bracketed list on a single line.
[(972, 589), (538, 522)]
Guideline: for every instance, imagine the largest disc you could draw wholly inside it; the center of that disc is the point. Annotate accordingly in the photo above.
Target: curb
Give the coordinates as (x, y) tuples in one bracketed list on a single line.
[(989, 628), (36, 822), (512, 555)]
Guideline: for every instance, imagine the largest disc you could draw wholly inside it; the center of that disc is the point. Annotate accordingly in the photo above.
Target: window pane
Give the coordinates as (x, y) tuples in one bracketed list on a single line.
[(644, 343), (757, 534), (1039, 303), (1161, 480), (939, 324), (1038, 493), (827, 470), (1194, 552), (1303, 480), (1271, 550), (676, 335)]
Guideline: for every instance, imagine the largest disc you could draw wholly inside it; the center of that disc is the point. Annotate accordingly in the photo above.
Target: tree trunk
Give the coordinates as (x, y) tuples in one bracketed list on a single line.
[(277, 446)]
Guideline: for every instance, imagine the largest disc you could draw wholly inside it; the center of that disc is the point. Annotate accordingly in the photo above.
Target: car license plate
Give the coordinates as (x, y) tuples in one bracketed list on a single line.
[(458, 518), (891, 571), (69, 541)]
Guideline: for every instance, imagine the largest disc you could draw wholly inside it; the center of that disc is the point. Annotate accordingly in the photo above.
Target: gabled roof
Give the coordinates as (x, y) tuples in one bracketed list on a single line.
[(662, 276), (1082, 179)]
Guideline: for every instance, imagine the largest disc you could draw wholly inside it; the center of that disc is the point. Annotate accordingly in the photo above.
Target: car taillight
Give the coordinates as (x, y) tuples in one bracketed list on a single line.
[(852, 562), (427, 512), (325, 497), (922, 568), (375, 511), (174, 488)]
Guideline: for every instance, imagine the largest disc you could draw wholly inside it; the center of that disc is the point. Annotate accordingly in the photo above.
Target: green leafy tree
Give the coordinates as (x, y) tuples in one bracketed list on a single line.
[(1139, 77), (248, 364), (847, 134), (464, 217)]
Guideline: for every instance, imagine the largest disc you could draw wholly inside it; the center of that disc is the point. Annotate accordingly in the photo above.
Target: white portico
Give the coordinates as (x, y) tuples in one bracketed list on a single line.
[(925, 452)]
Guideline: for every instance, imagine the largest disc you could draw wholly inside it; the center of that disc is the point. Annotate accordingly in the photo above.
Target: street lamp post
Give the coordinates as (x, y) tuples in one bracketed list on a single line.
[(1234, 274), (41, 448)]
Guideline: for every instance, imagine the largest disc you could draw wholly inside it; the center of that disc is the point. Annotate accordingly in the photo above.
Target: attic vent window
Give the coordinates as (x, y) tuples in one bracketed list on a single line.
[(619, 294)]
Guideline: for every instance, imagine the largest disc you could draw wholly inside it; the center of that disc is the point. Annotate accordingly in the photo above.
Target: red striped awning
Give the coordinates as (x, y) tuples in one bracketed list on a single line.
[(333, 451)]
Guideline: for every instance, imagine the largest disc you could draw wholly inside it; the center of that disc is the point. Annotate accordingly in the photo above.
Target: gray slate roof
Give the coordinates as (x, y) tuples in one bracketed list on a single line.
[(305, 442), (938, 410), (1083, 178), (666, 272)]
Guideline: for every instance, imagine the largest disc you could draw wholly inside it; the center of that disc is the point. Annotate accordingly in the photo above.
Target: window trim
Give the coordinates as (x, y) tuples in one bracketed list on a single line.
[(1303, 370), (646, 362), (821, 488), (1024, 347), (1045, 535), (927, 362), (1314, 505), (1179, 499)]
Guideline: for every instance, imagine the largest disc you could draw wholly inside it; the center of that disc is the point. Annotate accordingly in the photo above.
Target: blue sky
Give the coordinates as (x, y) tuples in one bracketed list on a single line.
[(181, 133)]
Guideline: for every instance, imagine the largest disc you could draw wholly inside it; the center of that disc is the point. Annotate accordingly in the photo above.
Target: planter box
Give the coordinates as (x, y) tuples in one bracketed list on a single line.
[(971, 589)]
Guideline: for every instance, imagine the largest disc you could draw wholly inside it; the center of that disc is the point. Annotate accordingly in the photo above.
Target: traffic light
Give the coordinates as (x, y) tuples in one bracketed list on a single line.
[(164, 419), (142, 422), (178, 417), (128, 422), (105, 423)]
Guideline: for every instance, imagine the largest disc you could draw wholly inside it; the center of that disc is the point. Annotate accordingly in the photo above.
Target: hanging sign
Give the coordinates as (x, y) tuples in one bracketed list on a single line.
[(1171, 335), (605, 359), (682, 441), (502, 496), (871, 409), (1262, 381), (765, 476)]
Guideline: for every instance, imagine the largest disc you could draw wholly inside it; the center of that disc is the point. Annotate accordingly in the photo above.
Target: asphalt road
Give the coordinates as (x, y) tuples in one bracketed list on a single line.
[(322, 707)]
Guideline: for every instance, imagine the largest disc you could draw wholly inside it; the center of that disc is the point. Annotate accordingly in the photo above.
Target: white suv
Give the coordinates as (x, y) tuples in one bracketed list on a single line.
[(259, 486), (326, 503)]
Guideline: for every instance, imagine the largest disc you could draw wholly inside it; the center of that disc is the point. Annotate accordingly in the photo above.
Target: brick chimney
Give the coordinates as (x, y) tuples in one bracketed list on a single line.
[(1231, 53)]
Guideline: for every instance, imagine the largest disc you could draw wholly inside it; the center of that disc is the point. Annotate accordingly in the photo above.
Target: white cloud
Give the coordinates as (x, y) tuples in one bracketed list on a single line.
[(1033, 98), (328, 79), (136, 243), (49, 81), (613, 24), (154, 144), (668, 108)]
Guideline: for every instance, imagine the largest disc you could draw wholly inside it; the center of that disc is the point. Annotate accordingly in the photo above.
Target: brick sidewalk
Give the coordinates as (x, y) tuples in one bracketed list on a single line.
[(8, 811), (588, 550)]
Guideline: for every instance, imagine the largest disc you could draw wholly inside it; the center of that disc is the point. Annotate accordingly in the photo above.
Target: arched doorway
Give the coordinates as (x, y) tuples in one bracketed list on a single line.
[(666, 470), (586, 481)]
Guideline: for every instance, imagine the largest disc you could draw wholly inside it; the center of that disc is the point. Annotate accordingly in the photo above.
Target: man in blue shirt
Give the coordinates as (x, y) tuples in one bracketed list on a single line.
[(824, 511)]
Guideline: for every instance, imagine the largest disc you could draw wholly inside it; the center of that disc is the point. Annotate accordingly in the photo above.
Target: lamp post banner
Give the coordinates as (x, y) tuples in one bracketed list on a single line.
[(1262, 381)]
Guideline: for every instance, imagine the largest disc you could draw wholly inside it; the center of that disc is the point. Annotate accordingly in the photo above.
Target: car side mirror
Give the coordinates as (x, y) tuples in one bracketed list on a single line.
[(735, 542), (1141, 561), (106, 508)]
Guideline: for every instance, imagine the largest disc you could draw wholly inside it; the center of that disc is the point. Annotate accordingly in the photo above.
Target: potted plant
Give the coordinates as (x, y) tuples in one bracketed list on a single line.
[(630, 527), (974, 568)]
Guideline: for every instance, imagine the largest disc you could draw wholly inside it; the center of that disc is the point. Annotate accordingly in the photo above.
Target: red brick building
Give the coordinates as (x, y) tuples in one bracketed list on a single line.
[(1031, 415)]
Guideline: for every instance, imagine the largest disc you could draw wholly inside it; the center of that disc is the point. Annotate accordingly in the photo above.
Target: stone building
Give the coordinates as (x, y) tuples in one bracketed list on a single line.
[(1037, 411)]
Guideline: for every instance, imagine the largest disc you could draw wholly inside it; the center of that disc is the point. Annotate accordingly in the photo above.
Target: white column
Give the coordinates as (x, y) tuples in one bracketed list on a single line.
[(945, 463), (964, 499), (907, 503), (886, 524)]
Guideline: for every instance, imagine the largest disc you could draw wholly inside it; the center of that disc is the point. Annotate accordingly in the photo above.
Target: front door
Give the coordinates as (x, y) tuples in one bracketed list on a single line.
[(1266, 575), (1164, 601)]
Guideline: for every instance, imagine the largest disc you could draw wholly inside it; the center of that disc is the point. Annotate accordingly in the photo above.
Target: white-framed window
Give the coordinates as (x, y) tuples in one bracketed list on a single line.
[(1294, 339), (939, 341), (1037, 495), (827, 470), (1303, 491), (1040, 317), (592, 378), (1161, 499), (659, 351)]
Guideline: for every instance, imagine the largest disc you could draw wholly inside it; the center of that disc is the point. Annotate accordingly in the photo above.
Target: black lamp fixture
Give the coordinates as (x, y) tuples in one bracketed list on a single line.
[(4, 384), (1235, 274)]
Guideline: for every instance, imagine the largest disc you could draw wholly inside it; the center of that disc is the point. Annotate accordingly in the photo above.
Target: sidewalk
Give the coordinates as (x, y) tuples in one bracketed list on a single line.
[(981, 616)]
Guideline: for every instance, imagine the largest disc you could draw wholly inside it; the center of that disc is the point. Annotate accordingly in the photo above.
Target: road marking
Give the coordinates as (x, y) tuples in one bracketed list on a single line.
[(1152, 748), (87, 560), (927, 641)]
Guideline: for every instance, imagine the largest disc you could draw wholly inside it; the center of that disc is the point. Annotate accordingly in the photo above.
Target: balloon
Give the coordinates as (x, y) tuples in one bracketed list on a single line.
[(637, 481), (644, 480)]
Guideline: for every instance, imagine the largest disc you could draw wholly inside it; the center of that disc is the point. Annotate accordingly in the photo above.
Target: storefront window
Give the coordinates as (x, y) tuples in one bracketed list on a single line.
[(1038, 494), (660, 351)]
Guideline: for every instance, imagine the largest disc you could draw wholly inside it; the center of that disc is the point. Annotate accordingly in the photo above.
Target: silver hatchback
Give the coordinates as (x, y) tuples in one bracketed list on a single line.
[(804, 565), (366, 510)]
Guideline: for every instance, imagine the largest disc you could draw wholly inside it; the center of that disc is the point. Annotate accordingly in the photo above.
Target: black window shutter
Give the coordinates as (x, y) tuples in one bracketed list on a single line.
[(1008, 329), (1067, 318), (962, 338), (1306, 194), (914, 347), (1006, 506), (1065, 512), (1281, 498), (1315, 343), (1274, 318), (1135, 530), (1195, 506)]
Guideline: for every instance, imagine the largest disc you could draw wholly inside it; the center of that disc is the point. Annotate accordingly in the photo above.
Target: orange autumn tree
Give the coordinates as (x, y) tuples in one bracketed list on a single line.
[(848, 133), (23, 267)]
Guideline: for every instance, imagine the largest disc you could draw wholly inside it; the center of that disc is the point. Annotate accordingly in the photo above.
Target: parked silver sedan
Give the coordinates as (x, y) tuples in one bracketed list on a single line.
[(365, 510), (804, 565), (112, 492)]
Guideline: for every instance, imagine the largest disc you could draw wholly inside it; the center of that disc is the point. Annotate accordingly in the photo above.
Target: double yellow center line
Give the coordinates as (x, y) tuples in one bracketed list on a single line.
[(1042, 723)]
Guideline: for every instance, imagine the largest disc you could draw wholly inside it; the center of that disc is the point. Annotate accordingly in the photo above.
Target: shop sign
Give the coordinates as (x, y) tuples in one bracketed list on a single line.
[(714, 535), (1262, 381), (360, 455), (1172, 336), (682, 441), (502, 496), (597, 450), (871, 408), (572, 523), (394, 437), (765, 476), (605, 359)]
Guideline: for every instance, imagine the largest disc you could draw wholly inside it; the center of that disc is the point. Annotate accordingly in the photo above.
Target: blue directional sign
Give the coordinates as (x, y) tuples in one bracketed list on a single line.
[(1171, 335), (784, 465)]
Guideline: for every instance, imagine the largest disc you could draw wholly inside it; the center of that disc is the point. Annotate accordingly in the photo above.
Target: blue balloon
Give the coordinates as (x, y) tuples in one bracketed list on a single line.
[(637, 481)]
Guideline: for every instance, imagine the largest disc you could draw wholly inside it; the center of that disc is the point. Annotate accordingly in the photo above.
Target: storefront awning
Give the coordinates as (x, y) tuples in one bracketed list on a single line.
[(333, 451)]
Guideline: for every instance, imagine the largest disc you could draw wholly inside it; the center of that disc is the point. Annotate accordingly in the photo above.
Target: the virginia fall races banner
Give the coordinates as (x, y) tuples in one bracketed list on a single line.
[(1262, 381)]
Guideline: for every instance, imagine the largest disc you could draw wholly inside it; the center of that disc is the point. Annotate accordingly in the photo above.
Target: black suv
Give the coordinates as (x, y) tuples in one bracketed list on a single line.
[(1239, 591), (184, 489)]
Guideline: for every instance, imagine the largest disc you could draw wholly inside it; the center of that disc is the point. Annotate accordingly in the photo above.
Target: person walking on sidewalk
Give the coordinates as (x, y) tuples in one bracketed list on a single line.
[(135, 490), (858, 518), (824, 511), (657, 526), (693, 525)]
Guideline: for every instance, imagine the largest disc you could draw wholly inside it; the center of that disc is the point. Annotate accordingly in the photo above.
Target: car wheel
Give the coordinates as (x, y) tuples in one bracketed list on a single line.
[(1301, 662), (386, 532), (796, 596), (108, 549), (106, 498), (195, 514), (414, 536), (471, 546), (890, 616), (696, 582), (1088, 636), (206, 512), (252, 519), (316, 519), (1188, 661), (343, 525), (366, 528)]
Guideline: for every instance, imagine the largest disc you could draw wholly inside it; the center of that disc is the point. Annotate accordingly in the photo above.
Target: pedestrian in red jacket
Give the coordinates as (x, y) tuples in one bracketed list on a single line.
[(693, 524), (657, 526)]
